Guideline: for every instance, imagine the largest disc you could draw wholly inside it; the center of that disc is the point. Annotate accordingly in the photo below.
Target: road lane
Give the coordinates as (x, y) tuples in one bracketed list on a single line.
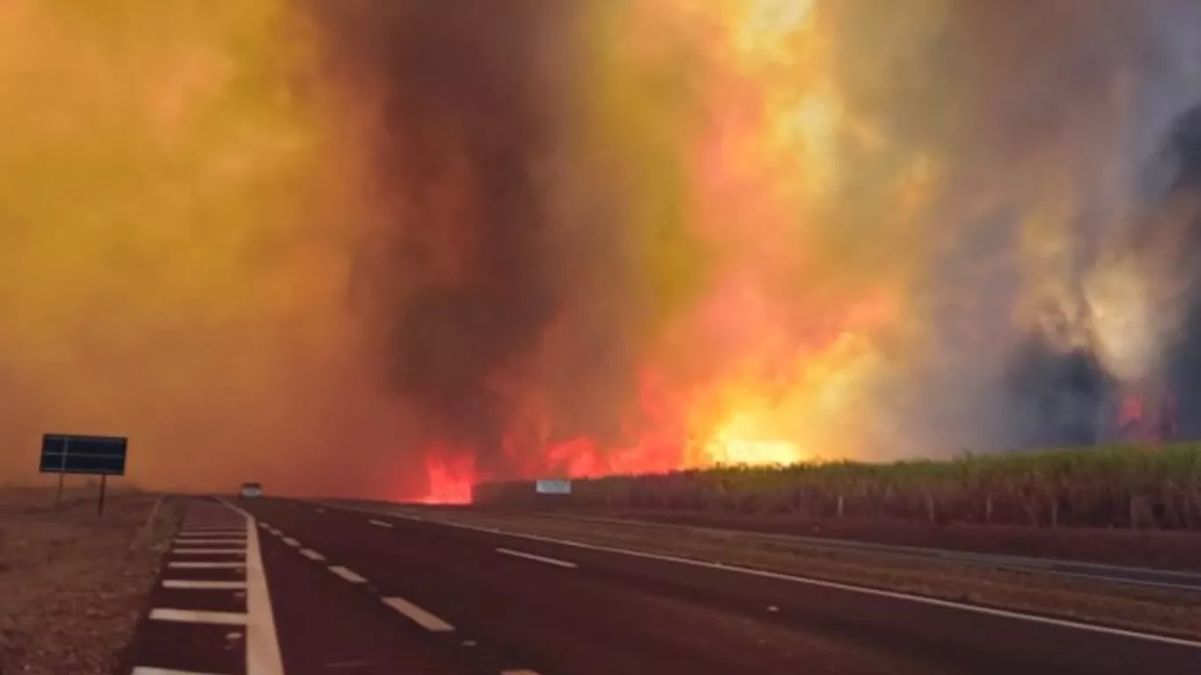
[(621, 614), (1139, 576), (326, 625)]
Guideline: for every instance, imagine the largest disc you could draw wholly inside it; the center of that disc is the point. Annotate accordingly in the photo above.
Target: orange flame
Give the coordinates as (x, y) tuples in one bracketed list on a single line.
[(451, 478), (1147, 414)]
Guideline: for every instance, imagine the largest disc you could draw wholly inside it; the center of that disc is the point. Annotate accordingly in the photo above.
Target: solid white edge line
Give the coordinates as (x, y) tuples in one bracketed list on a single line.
[(538, 558), (197, 616), (380, 523), (263, 656), (204, 584), (348, 574), (1119, 580), (418, 615), (145, 670), (311, 554), (896, 595), (1119, 574)]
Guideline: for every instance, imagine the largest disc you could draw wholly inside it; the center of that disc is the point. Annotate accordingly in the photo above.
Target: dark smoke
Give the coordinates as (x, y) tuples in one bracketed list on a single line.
[(461, 99), (490, 275), (1057, 396), (1184, 151), (1183, 362), (1067, 396)]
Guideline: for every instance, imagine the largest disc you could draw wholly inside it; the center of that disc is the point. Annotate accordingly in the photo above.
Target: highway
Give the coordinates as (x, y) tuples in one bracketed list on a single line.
[(354, 592), (1117, 574)]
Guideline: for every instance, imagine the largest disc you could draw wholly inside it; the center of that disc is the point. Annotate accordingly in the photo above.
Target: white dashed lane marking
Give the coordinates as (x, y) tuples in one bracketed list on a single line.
[(291, 542), (208, 551), (380, 523), (347, 574), (539, 558), (311, 554), (418, 615)]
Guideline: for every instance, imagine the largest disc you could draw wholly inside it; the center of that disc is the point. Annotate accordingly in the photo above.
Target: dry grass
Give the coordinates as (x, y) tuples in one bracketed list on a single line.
[(72, 584)]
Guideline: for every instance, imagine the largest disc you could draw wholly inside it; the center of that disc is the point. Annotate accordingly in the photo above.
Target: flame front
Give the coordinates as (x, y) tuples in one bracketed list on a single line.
[(450, 482), (840, 229)]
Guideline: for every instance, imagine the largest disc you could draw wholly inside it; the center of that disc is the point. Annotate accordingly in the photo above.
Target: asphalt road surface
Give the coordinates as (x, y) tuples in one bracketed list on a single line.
[(355, 593), (1117, 574)]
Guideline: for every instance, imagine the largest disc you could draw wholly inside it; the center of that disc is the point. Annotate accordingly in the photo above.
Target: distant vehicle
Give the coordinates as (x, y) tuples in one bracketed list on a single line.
[(251, 490)]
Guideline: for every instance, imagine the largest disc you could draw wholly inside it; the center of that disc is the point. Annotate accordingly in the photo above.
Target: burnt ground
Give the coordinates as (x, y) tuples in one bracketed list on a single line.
[(72, 584)]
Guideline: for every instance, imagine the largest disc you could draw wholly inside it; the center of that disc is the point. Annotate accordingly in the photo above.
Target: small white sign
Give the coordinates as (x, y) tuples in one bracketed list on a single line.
[(553, 486)]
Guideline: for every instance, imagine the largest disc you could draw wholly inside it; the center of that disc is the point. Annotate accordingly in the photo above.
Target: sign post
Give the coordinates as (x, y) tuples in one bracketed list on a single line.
[(94, 455)]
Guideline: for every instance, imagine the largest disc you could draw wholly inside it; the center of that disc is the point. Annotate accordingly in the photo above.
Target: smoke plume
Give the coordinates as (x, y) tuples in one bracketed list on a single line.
[(388, 247)]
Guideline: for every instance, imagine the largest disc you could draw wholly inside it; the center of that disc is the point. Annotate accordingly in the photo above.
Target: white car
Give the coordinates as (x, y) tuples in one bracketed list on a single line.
[(251, 490)]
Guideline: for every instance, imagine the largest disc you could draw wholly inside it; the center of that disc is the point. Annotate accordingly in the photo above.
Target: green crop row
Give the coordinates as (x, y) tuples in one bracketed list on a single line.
[(1110, 486)]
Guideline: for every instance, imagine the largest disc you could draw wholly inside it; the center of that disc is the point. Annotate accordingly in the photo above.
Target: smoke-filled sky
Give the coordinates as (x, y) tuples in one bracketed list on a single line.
[(387, 247)]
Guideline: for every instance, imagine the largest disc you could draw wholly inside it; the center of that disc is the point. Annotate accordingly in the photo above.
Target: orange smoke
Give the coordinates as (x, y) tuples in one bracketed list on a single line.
[(793, 177), (394, 247)]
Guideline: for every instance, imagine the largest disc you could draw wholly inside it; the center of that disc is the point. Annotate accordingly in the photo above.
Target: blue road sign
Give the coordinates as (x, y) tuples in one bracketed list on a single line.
[(65, 453)]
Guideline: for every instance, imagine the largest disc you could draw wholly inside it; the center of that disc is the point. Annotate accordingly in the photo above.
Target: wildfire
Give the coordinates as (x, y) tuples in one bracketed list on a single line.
[(450, 477), (1147, 414), (826, 227), (590, 237), (802, 211), (730, 446)]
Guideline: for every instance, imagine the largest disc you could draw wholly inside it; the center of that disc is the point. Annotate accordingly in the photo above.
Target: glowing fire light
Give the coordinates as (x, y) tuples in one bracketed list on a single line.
[(450, 479), (735, 443), (1147, 414), (725, 231)]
